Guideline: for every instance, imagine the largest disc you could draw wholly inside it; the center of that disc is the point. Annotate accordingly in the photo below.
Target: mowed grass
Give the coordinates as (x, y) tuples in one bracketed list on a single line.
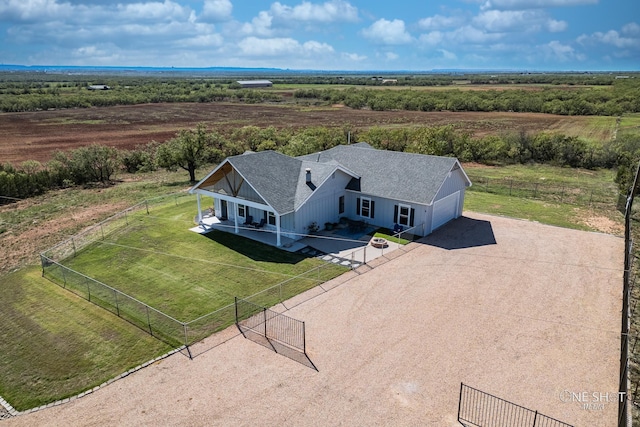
[(54, 344), (157, 260), (557, 214), (552, 212)]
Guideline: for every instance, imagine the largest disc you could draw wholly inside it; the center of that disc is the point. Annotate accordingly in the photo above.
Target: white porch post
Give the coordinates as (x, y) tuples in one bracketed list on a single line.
[(278, 241), (199, 208), (234, 205)]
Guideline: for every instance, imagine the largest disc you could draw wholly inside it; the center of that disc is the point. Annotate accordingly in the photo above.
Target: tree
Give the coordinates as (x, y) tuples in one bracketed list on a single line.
[(188, 150), (95, 163)]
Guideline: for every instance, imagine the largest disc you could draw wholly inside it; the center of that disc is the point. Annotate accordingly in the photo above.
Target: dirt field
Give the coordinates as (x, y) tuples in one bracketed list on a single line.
[(525, 311), (36, 136)]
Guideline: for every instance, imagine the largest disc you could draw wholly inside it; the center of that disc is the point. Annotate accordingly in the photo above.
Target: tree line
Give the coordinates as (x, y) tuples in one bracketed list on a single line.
[(623, 98), (594, 95), (193, 148)]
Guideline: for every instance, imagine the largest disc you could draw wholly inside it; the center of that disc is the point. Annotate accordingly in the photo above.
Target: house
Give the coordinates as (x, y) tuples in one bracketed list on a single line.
[(382, 188), (254, 83)]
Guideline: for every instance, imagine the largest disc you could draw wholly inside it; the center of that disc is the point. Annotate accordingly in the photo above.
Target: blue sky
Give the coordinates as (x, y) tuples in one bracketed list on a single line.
[(325, 35)]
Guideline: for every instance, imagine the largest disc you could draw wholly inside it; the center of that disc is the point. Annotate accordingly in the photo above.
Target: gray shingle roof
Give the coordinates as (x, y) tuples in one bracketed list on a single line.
[(280, 179), (390, 174)]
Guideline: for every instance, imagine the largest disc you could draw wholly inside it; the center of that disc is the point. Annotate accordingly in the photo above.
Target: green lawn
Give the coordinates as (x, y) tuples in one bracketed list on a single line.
[(157, 260), (54, 345), (561, 215)]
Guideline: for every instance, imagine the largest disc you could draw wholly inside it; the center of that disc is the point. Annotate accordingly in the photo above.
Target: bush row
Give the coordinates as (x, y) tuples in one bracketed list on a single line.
[(623, 98), (193, 148)]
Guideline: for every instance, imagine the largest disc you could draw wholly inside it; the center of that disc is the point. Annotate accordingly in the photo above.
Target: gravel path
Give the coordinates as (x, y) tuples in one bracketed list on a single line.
[(524, 311)]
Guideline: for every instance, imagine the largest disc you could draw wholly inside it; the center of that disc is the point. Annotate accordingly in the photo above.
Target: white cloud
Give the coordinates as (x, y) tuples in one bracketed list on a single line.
[(556, 26), (152, 11), (205, 40), (469, 34), (391, 56), (353, 57), (612, 38), (281, 47), (259, 26), (331, 11), (448, 55), (439, 22), (216, 10), (631, 29), (556, 51), (33, 10), (432, 39), (517, 21), (533, 4), (387, 32)]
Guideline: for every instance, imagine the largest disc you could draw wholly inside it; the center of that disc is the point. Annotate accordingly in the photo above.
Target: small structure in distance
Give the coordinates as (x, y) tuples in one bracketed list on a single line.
[(254, 83), (98, 87)]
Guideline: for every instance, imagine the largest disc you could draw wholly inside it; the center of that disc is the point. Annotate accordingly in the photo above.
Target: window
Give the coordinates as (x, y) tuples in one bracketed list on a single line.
[(242, 210), (341, 205), (404, 215), (271, 218), (365, 207)]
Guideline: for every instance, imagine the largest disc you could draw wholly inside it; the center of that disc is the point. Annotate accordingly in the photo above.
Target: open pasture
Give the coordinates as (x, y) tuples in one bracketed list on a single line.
[(37, 135)]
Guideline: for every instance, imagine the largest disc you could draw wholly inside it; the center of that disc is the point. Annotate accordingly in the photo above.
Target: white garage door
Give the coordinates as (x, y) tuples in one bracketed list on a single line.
[(444, 210)]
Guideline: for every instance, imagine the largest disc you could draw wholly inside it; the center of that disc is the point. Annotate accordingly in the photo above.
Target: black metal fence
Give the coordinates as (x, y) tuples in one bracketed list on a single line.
[(160, 325), (627, 354), (479, 409), (270, 324)]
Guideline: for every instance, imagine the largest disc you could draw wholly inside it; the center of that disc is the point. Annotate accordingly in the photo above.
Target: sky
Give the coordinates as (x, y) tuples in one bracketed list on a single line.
[(358, 35)]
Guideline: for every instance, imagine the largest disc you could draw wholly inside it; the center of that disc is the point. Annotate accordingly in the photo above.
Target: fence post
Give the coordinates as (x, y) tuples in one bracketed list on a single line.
[(535, 191), (535, 418), (73, 243), (146, 203), (149, 320), (126, 220), (304, 339), (64, 277), (264, 312), (235, 300), (88, 288), (102, 231), (364, 260), (115, 296), (562, 194), (510, 186), (186, 336), (460, 401)]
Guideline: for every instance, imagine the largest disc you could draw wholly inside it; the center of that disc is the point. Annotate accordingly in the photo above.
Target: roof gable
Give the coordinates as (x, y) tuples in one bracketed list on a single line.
[(278, 179)]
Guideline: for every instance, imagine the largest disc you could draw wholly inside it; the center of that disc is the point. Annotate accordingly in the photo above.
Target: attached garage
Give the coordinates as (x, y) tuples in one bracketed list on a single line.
[(445, 209)]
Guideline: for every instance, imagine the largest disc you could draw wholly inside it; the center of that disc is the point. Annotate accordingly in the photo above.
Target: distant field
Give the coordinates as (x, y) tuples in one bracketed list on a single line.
[(37, 135), (288, 87)]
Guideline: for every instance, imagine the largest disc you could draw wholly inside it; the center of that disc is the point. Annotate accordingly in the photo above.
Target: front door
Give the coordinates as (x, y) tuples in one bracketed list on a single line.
[(223, 209)]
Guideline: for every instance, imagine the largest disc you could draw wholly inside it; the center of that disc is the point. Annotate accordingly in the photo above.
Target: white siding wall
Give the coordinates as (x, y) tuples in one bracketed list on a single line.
[(384, 214), (322, 206)]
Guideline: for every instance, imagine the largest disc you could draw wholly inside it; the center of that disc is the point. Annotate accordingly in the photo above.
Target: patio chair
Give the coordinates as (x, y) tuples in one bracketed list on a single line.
[(397, 228), (248, 220), (260, 224)]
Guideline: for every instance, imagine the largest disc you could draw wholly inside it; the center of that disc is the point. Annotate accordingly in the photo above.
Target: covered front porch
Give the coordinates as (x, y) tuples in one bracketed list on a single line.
[(341, 246)]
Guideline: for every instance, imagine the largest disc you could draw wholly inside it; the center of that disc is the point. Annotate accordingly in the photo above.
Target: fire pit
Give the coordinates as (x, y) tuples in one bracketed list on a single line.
[(379, 242)]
